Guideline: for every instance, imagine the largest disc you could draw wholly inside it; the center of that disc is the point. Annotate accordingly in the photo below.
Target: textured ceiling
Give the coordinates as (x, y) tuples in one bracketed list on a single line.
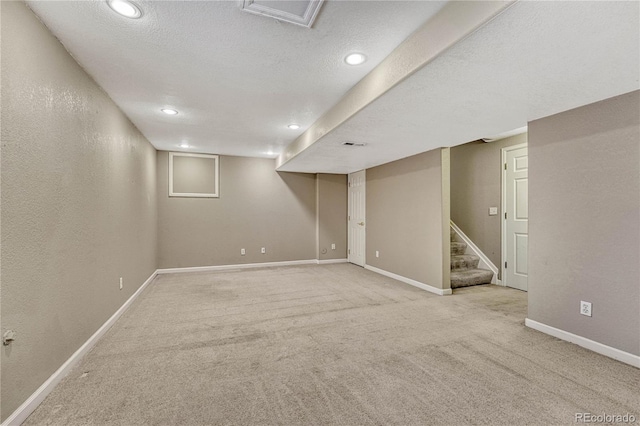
[(237, 79), (534, 60)]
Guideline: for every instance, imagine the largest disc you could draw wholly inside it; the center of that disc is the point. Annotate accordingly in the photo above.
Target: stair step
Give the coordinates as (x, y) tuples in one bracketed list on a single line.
[(463, 262), (458, 248), (470, 277)]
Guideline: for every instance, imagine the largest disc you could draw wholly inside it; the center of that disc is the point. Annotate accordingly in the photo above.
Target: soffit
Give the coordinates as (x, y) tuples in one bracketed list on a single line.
[(533, 60)]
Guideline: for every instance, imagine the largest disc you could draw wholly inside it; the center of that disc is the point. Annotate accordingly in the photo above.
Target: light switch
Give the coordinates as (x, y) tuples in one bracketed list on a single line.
[(493, 211)]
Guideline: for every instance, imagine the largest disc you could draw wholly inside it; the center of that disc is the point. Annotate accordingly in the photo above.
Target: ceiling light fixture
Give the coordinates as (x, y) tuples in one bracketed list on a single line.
[(169, 111), (355, 58), (125, 8), (184, 145), (294, 126)]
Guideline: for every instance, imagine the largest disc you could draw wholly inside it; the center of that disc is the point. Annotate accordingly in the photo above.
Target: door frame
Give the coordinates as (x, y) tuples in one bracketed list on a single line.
[(503, 202), (364, 231)]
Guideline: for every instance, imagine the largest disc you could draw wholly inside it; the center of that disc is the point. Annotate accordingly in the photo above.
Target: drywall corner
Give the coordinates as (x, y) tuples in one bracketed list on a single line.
[(445, 167), (405, 218), (331, 216)]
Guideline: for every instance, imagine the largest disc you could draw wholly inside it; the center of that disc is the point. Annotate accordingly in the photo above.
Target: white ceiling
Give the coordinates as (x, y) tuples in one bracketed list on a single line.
[(534, 60), (236, 79)]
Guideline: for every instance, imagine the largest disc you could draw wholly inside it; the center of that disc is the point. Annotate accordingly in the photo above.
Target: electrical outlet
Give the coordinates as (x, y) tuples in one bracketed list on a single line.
[(585, 308), (243, 252), (120, 283), (333, 246), (377, 253), (263, 250)]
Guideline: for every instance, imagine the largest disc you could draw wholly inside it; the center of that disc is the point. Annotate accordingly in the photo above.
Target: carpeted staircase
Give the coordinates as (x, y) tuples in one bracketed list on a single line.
[(464, 267)]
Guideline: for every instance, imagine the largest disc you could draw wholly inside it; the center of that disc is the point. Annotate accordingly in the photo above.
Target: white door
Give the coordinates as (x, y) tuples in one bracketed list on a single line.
[(356, 218), (515, 233)]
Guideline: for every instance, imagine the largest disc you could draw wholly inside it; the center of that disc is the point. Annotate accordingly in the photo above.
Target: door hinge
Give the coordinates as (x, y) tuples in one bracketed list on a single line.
[(505, 215), (349, 251), (505, 265), (349, 184), (505, 166), (349, 217)]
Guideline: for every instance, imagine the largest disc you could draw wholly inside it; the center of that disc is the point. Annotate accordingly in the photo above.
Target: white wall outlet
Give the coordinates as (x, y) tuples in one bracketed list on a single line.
[(333, 246), (120, 283), (585, 308), (263, 250), (493, 211), (377, 253), (243, 252)]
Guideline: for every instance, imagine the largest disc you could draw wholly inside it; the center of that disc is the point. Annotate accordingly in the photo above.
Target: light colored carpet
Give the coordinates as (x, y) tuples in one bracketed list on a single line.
[(332, 344)]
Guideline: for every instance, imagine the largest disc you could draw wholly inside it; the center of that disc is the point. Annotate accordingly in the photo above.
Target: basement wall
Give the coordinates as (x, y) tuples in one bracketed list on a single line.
[(584, 221), (476, 185), (258, 207), (332, 216), (406, 207), (78, 205)]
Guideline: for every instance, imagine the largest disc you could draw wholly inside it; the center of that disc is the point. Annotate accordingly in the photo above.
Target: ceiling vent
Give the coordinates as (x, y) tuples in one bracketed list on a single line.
[(353, 144), (298, 12)]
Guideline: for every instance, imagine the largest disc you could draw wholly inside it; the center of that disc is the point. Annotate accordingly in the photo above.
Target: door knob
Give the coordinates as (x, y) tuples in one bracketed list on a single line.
[(361, 223)]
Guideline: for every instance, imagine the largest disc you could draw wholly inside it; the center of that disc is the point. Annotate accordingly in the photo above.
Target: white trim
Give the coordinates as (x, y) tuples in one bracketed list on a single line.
[(238, 266), (605, 350), (216, 165), (485, 263), (504, 135), (29, 406), (427, 287), (306, 20), (329, 261), (503, 202)]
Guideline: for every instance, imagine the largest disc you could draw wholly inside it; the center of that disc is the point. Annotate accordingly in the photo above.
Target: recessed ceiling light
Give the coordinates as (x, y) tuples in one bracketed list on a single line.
[(184, 145), (125, 8), (294, 126), (355, 58), (169, 111)]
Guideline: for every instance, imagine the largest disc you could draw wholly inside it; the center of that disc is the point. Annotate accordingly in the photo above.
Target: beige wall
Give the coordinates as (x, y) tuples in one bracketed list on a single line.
[(476, 185), (194, 175), (584, 221), (405, 218), (258, 207), (78, 205), (332, 216)]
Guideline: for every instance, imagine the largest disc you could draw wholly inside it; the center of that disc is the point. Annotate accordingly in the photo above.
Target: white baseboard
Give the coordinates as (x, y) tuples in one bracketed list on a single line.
[(605, 350), (28, 407), (328, 261), (409, 281), (239, 266)]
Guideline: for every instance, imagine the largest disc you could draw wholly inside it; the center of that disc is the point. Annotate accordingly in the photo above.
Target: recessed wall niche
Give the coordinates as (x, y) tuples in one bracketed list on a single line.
[(194, 175)]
